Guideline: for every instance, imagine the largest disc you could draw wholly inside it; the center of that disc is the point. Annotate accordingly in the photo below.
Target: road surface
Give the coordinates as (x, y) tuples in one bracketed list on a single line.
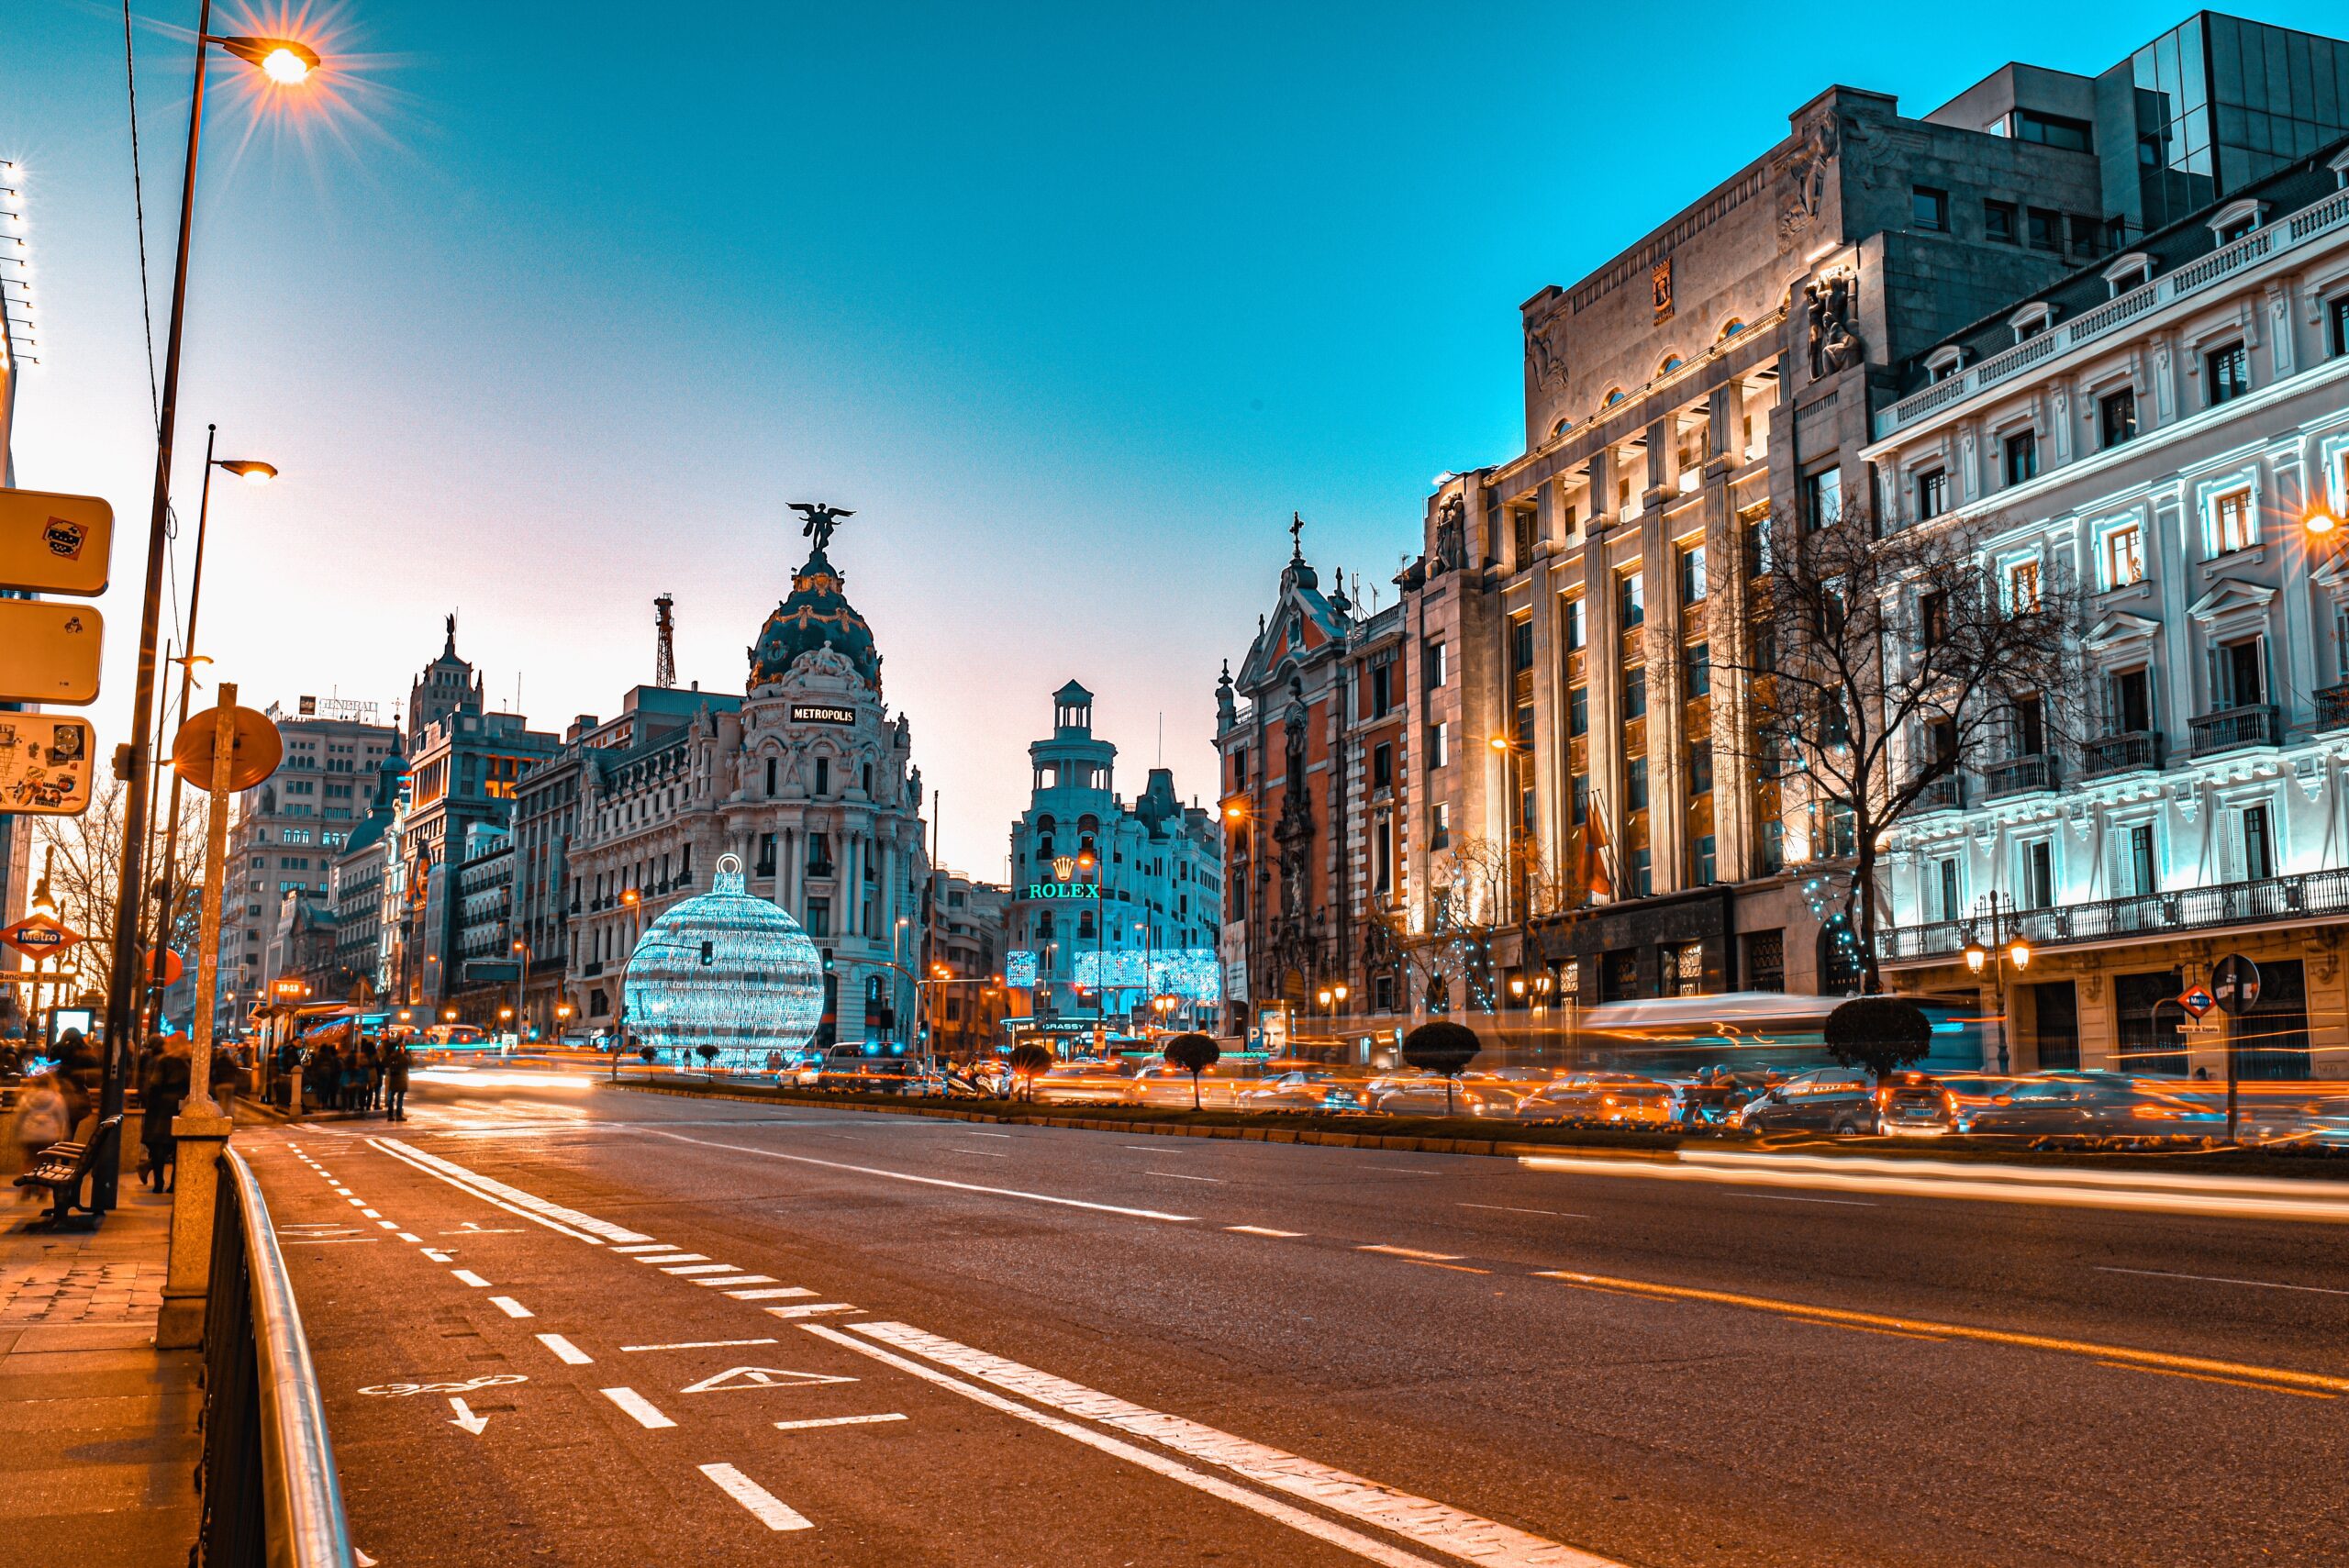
[(561, 1323)]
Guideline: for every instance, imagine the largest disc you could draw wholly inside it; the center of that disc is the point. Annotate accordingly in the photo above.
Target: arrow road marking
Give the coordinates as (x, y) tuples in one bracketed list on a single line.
[(761, 1377), (465, 1417)]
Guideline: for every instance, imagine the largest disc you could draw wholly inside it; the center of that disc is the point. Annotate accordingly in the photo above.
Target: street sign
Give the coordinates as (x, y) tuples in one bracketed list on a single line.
[(254, 750), (46, 765), (2198, 1026), (49, 650), (54, 544), (2197, 1000), (2236, 983), (40, 937)]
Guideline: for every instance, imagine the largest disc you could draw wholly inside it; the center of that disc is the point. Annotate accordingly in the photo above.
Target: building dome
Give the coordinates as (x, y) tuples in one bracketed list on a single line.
[(817, 615), (728, 970)]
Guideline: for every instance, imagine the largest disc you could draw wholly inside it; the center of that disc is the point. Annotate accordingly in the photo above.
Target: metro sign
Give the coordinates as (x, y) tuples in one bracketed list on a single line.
[(40, 937), (2197, 1000)]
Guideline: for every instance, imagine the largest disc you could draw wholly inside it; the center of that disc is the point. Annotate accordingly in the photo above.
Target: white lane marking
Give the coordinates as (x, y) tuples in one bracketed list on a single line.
[(1503, 1208), (638, 1405), (672, 1257), (2221, 1279), (1798, 1197), (765, 1506), (371, 1213), (566, 1350), (968, 1133), (513, 1200), (982, 1153), (645, 1247), (930, 1180), (436, 1254), (1410, 1252), (837, 1421), (406, 1236), (466, 1276), (357, 1202), (344, 1191), (326, 1240), (1262, 1230), (511, 1307), (389, 1223), (761, 1377), (814, 1309), (1178, 1176), (777, 1294), (698, 1345), (702, 1269), (1296, 1518), (1422, 1521), (465, 1417), (738, 1279)]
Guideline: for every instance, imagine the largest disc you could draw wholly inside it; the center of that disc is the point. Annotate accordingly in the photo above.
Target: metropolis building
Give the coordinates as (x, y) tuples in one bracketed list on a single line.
[(809, 778)]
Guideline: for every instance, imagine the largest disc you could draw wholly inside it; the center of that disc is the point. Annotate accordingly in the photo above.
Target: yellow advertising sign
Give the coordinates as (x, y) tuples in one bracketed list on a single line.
[(49, 650), (54, 544), (46, 761)]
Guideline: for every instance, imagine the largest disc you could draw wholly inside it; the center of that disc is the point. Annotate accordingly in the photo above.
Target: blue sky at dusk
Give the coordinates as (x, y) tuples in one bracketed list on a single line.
[(544, 309)]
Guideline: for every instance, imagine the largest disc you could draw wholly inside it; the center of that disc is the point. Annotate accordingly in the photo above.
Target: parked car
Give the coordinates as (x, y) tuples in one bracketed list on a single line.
[(1086, 1082), (1602, 1099), (878, 1075), (1160, 1084), (1714, 1096), (1825, 1099), (1309, 1089), (2093, 1105), (1423, 1094), (1927, 1104)]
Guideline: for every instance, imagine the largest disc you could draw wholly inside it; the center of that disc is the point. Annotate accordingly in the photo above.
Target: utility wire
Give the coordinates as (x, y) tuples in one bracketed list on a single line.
[(139, 205)]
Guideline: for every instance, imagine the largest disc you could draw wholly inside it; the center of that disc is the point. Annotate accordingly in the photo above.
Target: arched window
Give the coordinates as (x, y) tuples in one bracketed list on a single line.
[(1671, 363), (1730, 328), (1614, 396), (1560, 428)]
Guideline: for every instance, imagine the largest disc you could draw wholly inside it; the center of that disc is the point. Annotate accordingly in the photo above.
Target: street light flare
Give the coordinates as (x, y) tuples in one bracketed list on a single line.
[(283, 60), (249, 471)]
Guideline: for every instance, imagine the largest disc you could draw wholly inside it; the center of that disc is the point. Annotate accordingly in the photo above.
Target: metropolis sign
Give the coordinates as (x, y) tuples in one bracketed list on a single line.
[(821, 713), (1063, 890)]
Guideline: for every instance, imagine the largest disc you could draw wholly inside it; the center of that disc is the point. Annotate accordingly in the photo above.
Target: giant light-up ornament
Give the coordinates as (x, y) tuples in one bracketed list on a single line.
[(728, 970)]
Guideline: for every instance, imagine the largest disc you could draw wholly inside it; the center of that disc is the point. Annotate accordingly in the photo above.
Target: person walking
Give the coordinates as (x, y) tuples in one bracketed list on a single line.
[(325, 1070), (161, 1091), (371, 1056), (228, 1078), (395, 1058), (42, 1118)]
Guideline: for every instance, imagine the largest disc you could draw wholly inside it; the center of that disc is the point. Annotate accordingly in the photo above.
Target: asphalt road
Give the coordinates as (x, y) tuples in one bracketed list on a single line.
[(717, 1332)]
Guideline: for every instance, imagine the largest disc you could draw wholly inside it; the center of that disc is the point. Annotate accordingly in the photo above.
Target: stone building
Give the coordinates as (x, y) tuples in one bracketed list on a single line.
[(2169, 432), (355, 889), (967, 1002), (1115, 902), (809, 778)]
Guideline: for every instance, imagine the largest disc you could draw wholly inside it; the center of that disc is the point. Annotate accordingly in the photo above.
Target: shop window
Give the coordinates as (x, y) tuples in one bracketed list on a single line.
[(1680, 969), (2055, 1024), (2147, 1017), (2274, 1035)]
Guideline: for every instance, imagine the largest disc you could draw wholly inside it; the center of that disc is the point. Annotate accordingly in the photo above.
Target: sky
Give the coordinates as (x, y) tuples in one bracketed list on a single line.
[(543, 309)]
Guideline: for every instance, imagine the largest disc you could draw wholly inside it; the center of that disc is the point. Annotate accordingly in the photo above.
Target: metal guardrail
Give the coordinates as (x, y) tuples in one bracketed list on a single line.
[(271, 1496)]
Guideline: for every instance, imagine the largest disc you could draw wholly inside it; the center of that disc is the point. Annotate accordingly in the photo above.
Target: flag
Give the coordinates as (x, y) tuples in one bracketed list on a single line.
[(1593, 855)]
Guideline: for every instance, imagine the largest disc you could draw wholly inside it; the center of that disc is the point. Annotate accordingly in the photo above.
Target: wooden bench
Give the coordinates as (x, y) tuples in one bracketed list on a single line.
[(63, 1167)]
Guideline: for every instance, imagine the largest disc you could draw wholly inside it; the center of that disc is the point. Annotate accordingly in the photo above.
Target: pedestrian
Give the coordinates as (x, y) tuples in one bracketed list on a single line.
[(354, 1077), (42, 1120), (395, 1081), (325, 1071), (371, 1054), (161, 1091), (228, 1078)]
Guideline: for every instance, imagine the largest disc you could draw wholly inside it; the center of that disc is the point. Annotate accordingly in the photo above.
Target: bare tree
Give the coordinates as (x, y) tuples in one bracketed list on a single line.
[(85, 877), (1877, 663)]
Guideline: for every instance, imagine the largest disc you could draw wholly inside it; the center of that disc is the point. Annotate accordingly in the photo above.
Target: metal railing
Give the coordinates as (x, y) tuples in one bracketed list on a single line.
[(2333, 706), (2018, 774), (2123, 752), (2257, 724), (1946, 793), (269, 1494), (2196, 908)]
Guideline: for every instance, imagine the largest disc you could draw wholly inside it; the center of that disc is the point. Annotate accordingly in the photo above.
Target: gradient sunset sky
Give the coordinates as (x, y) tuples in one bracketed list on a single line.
[(544, 309)]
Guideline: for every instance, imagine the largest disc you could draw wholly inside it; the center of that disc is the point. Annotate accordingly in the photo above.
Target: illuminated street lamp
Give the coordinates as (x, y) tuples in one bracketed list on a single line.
[(1981, 955), (2318, 522), (283, 61)]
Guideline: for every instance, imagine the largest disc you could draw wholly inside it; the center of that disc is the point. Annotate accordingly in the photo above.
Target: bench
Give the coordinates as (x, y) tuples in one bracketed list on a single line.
[(63, 1167)]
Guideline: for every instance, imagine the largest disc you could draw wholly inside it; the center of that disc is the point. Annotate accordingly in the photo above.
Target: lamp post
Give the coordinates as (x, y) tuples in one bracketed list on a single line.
[(521, 982), (2016, 952), (285, 62), (1511, 805)]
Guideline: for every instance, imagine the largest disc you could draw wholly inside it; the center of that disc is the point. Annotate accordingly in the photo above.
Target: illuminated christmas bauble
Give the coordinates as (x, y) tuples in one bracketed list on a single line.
[(725, 968)]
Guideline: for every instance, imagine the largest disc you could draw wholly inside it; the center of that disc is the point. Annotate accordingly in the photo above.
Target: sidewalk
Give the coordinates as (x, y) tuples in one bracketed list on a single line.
[(98, 1427)]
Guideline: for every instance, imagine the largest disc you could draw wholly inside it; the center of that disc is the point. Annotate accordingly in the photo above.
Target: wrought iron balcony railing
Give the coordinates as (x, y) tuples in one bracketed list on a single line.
[(2230, 730), (2188, 909), (2018, 775), (2127, 751), (1944, 794), (2333, 706)]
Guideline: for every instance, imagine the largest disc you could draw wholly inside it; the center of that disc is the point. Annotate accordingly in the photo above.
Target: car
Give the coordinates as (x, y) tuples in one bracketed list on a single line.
[(1085, 1081), (1602, 1099), (1825, 1099), (1161, 1083), (2093, 1105), (1929, 1105), (1427, 1094), (1713, 1098), (1308, 1089), (877, 1076)]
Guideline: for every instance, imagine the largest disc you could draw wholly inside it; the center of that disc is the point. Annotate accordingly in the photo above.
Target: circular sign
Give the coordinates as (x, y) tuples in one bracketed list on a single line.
[(253, 753), (172, 966), (2235, 983)]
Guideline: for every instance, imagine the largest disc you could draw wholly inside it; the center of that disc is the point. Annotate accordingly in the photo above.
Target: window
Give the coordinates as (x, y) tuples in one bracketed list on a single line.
[(1521, 644), (1630, 600), (2022, 586), (1382, 688), (1570, 617), (2028, 722), (823, 775), (1440, 827), (1701, 861), (1382, 765), (771, 767), (2337, 317), (2232, 528), (1525, 523), (1382, 858), (1932, 494), (1697, 669), (1432, 666), (1692, 575), (819, 917), (2045, 229), (1643, 874), (2128, 702), (2258, 845), (2124, 556), (2088, 235), (2116, 416), (2022, 457), (1765, 960), (2053, 130), (1439, 745), (1577, 711), (1774, 850), (1701, 767), (1929, 209), (2143, 876), (1823, 498), (2039, 876), (1635, 785), (1932, 618), (2229, 374), (1754, 545), (1524, 731), (2239, 674), (1946, 875), (1578, 799), (1635, 691), (1998, 222)]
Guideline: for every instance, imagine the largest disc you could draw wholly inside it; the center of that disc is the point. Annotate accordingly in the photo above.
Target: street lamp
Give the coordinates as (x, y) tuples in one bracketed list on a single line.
[(2319, 521), (283, 61), (1981, 955), (1510, 807)]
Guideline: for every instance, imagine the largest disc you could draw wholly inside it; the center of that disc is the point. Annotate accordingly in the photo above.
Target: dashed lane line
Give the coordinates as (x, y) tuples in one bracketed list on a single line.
[(733, 1279), (1263, 1231), (777, 1294), (765, 1506), (814, 1309), (837, 1421), (466, 1276), (671, 1256), (565, 1350), (2221, 1279), (1179, 1176), (644, 1412), (645, 1247), (697, 1345), (511, 1307), (701, 1269), (1411, 1252), (1505, 1208)]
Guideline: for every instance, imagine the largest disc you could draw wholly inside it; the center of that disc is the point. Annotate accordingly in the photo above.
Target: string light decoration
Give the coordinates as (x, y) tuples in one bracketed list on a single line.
[(725, 968)]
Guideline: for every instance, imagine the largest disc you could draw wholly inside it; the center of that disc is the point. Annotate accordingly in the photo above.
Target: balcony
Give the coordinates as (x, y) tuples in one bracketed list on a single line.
[(2018, 775), (2129, 752), (2274, 899), (2231, 729), (815, 868), (2333, 706), (1944, 794)]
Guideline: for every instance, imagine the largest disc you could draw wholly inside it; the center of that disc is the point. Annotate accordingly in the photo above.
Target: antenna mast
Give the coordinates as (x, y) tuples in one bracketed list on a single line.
[(664, 629)]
